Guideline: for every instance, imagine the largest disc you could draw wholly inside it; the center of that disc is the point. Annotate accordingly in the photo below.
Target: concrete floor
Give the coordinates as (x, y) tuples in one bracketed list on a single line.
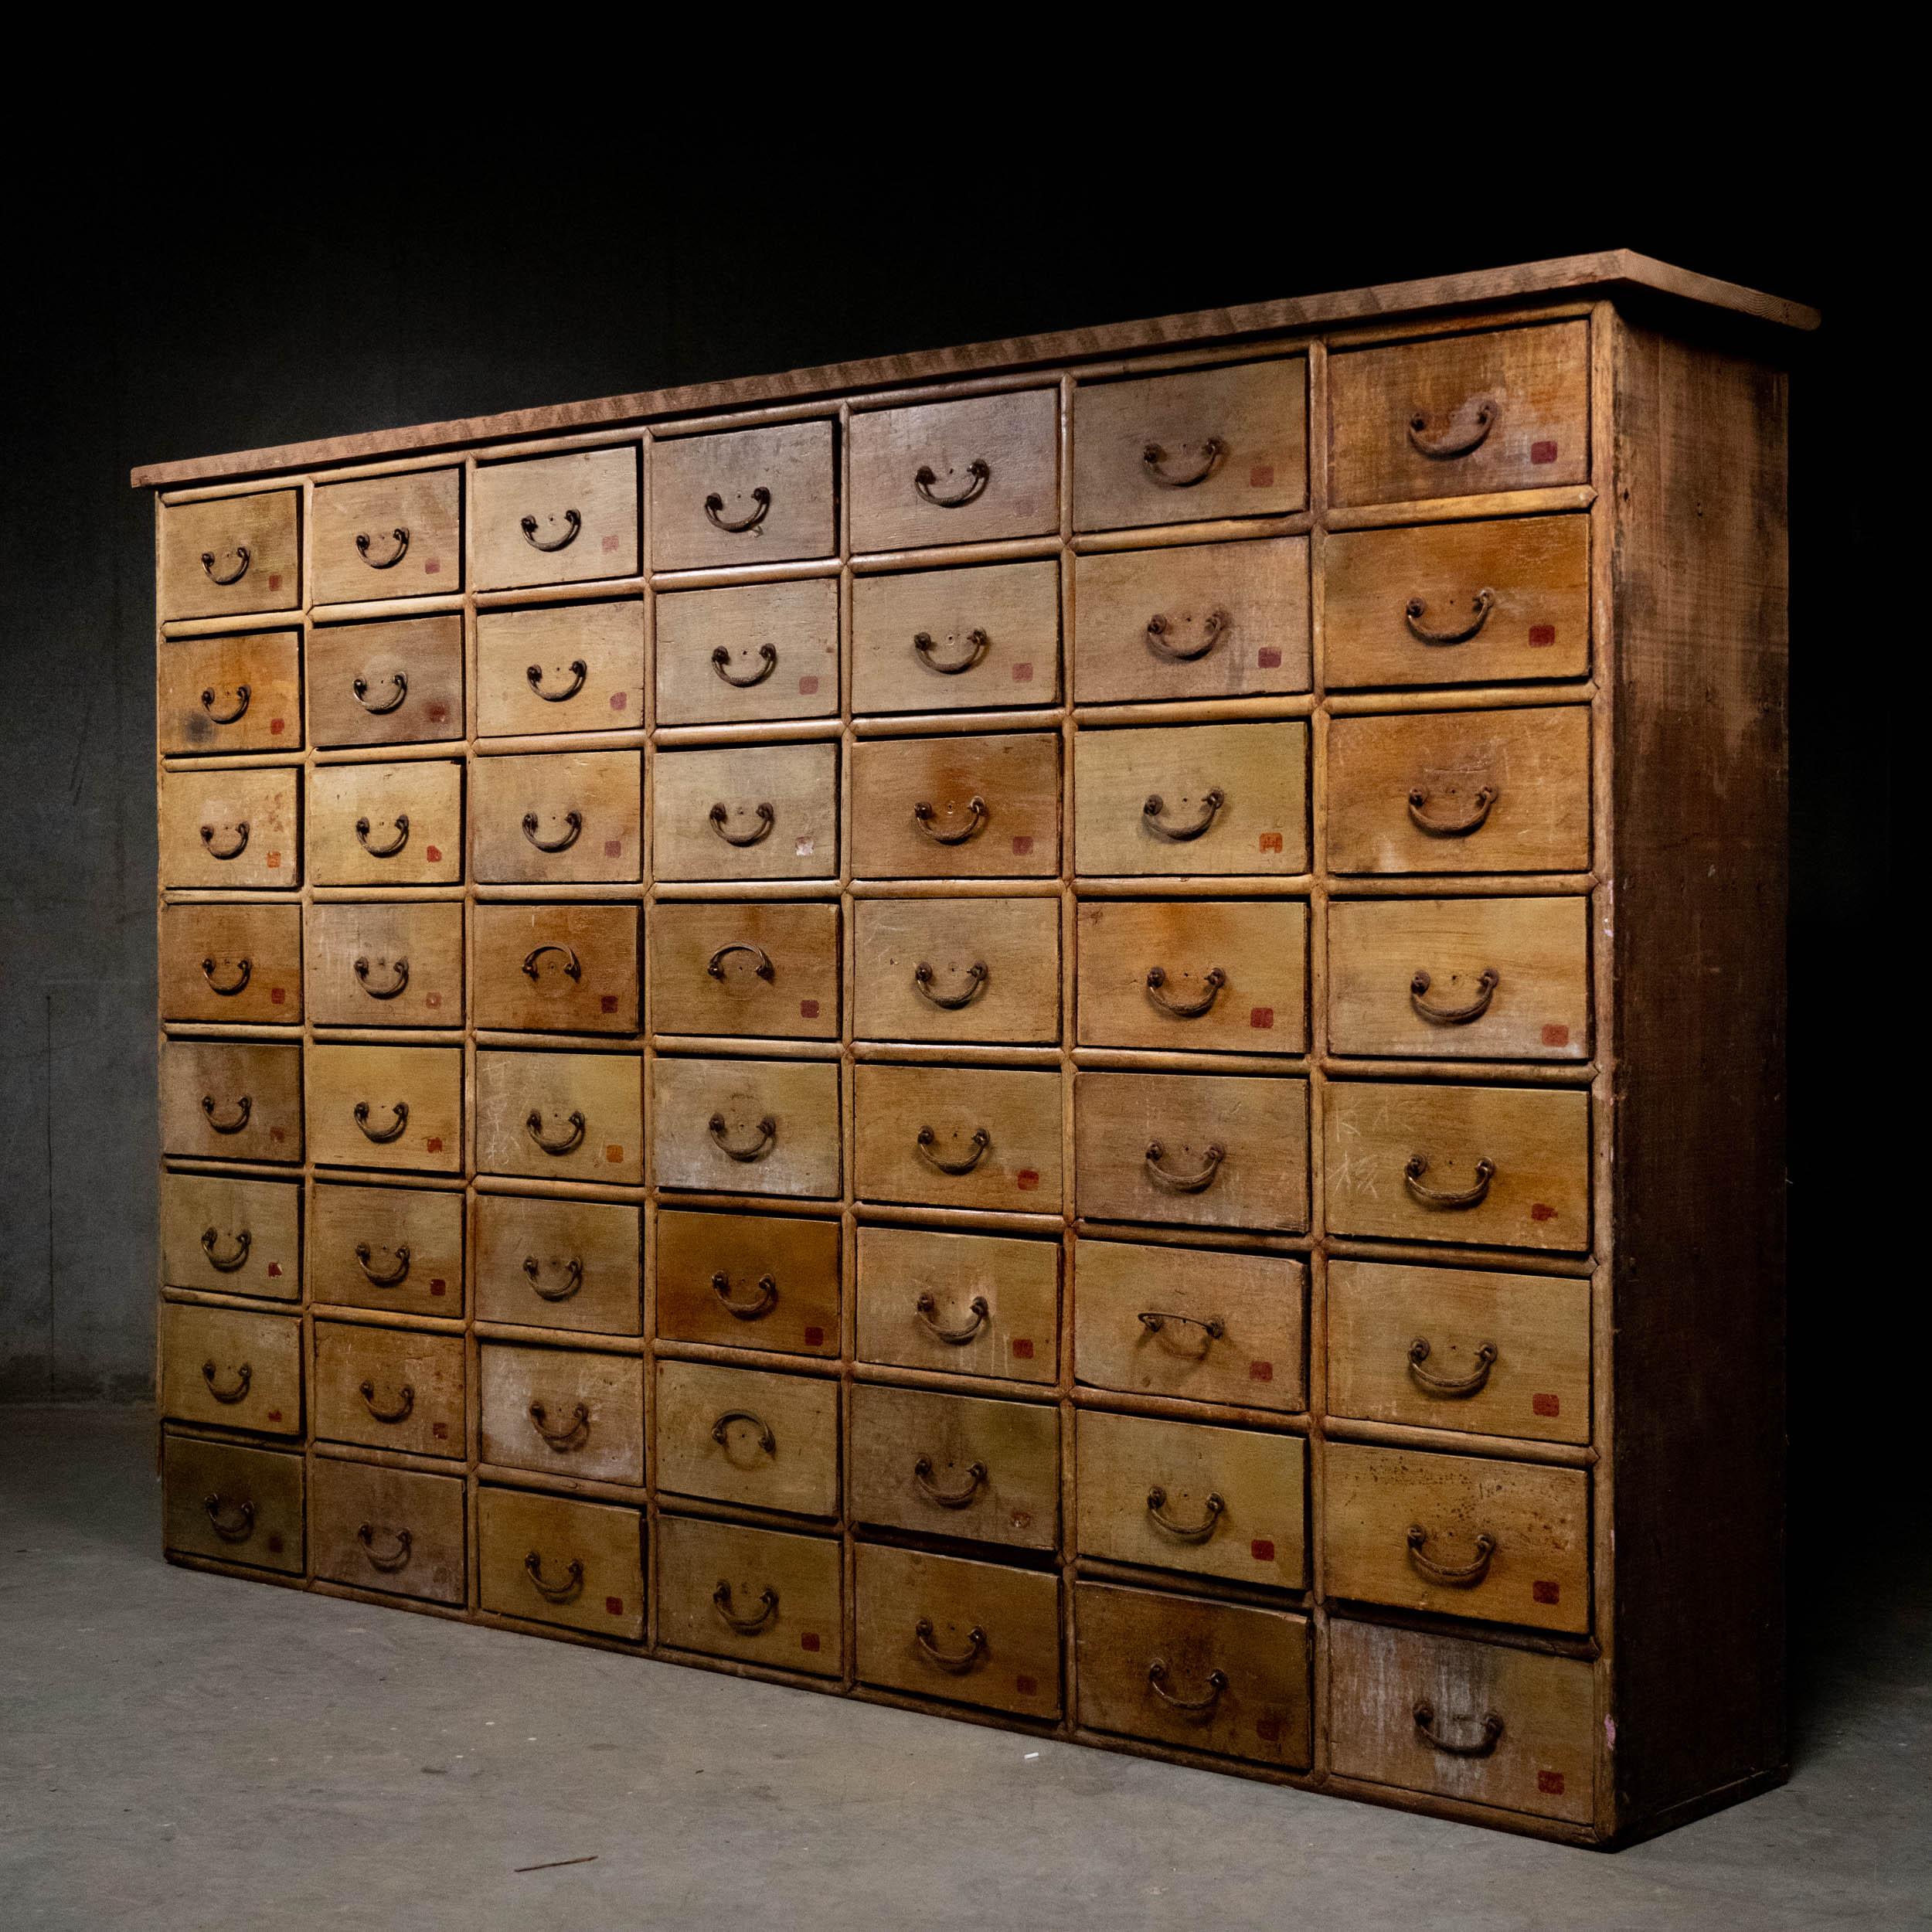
[(180, 1750)]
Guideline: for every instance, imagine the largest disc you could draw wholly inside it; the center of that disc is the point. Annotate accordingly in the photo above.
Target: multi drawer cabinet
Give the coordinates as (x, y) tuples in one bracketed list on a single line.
[(1086, 1033)]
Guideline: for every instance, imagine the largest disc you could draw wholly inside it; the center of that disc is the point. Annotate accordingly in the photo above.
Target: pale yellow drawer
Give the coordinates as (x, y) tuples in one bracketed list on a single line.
[(728, 1590), (743, 496), (748, 653), (557, 969), (397, 683), (386, 1107), (568, 667), (231, 1369), (956, 640), (745, 1436), (560, 1117), (396, 1389), (232, 1503), (221, 1100), (560, 817), (959, 1137), (231, 831), (232, 1237), (557, 519), (766, 969), (955, 472), (948, 1465), (391, 963), (241, 692), (233, 554), (575, 1265), (972, 1303), (399, 1249), (552, 1560), (388, 536), (956, 807), (749, 1281), (746, 1127), (398, 1530), (398, 824), (958, 969), (770, 812), (241, 964), (566, 1412)]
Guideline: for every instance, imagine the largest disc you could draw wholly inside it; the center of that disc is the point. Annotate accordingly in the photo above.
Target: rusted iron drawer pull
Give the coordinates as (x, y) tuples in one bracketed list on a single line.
[(383, 1136), (745, 1626), (720, 817), (533, 1126), (234, 576), (767, 1139), (574, 820), (1214, 980), (242, 693), (244, 968), (1186, 1532), (1471, 1384), (1155, 1321), (402, 537), (1454, 1575), (979, 469), (395, 1559), (238, 1528), (361, 688), (579, 672), (400, 822), (1211, 803), (1446, 1197), (721, 663), (764, 969), (1463, 432), (400, 970), (1154, 456), (573, 1279), (228, 1397), (746, 1310), (573, 1436), (947, 1499), (1471, 821), (1458, 630), (563, 542), (405, 1402), (395, 1276), (227, 1263), (572, 967), (1186, 1707), (952, 1661), (714, 509), (1183, 1183), (977, 975), (1214, 627), (978, 643), (927, 1308), (980, 1142), (245, 1106), (1425, 1717), (234, 851), (720, 1429), (977, 816), (1453, 1016), (572, 1585)]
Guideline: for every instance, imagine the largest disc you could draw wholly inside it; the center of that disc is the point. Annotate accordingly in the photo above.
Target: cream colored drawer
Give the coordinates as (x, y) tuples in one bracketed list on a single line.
[(570, 667), (230, 1368), (972, 1303), (958, 969), (561, 817), (241, 964), (233, 554), (747, 1127), (392, 963), (386, 684), (231, 831), (557, 969), (950, 1465), (400, 824), (749, 1281), (386, 1107), (231, 1236), (745, 496), (766, 968), (235, 693), (391, 1530), (564, 1411), (390, 1389), (758, 1595), (956, 640), (574, 1265), (557, 519), (959, 1137), (560, 1117), (750, 653), (394, 1248), (956, 807), (768, 812), (231, 1504), (744, 1436), (955, 472), (552, 1560), (388, 536), (221, 1100)]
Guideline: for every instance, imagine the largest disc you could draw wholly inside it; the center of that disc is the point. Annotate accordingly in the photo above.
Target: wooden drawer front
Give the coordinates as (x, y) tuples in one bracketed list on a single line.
[(388, 536), (557, 519), (394, 962), (956, 1465), (1505, 979), (237, 553), (743, 1436), (1508, 1542), (241, 693), (760, 1594), (1175, 1495), (780, 653), (389, 1529), (1507, 409), (1460, 792), (958, 969), (1419, 1712), (398, 824), (554, 1560), (231, 1369), (956, 807), (559, 818), (1199, 621), (770, 812), (1205, 1148), (1202, 799), (242, 963), (955, 472), (386, 1107), (749, 1281), (561, 1117), (975, 1304), (564, 1411), (1177, 449), (396, 1248), (970, 1633), (576, 1265), (747, 1127), (959, 1136), (1228, 975), (764, 969), (557, 969), (1496, 1166), (1190, 1322), (575, 667), (747, 496), (390, 1388), (386, 684), (222, 1101), (230, 1236), (222, 831), (957, 640), (234, 1505), (1149, 1666)]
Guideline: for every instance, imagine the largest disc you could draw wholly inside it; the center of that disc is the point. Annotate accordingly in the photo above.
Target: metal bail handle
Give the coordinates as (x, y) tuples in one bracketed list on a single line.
[(401, 537)]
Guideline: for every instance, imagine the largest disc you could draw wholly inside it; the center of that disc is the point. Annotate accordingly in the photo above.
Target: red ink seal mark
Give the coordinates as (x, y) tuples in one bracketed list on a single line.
[(614, 1154), (1261, 476), (276, 996), (613, 848), (433, 853), (1543, 634), (275, 581), (815, 1338), (610, 543), (1023, 1349), (432, 999), (439, 1286), (440, 1431), (274, 1415), (275, 861), (1545, 1406), (1260, 1371), (1551, 1783), (1262, 1550), (619, 699), (433, 1144), (1022, 1518), (1262, 1017), (808, 1640), (1022, 674), (1268, 658), (1026, 1686), (1540, 1212), (808, 1010), (1268, 1729), (1545, 1592), (808, 687), (1022, 845), (1027, 1179), (276, 1134), (1542, 452), (438, 713), (607, 1002), (274, 1268), (1556, 1036), (274, 1545), (275, 726), (1270, 842), (432, 566), (614, 1605)]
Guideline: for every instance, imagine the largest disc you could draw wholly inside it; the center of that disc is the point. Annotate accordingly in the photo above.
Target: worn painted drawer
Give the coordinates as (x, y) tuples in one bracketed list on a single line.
[(392, 963), (388, 536), (768, 812), (231, 831), (948, 1465), (744, 1436), (955, 472), (728, 1590), (575, 1265), (240, 964), (557, 969), (232, 1237), (562, 817), (398, 682), (566, 1412), (221, 1100), (231, 1369), (956, 640), (557, 519), (399, 1249), (552, 1560), (971, 1304), (386, 1107), (233, 554), (748, 653), (740, 972), (560, 1117), (389, 1529), (958, 969), (241, 692), (567, 667), (959, 1137), (745, 496), (232, 1503), (390, 1389), (749, 1281), (747, 1127), (956, 807), (399, 824)]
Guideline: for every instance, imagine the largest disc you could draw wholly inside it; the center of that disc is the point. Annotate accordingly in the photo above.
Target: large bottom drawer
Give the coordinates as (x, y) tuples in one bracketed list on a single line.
[(389, 1529), (238, 1505), (759, 1595), (555, 1560)]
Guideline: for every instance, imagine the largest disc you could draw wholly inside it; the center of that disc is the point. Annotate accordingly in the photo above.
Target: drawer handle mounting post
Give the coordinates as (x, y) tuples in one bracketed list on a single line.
[(1453, 1016), (1471, 1384), (947, 1499), (745, 1626), (1214, 980), (977, 816), (579, 672), (529, 528), (573, 1279), (1214, 627), (1153, 458), (395, 1277), (1186, 1707), (1425, 1717), (227, 1263), (956, 1662), (402, 537), (1458, 630), (533, 1126), (1194, 1183), (720, 817), (405, 1402), (746, 1310), (1186, 1532), (977, 975), (234, 576), (360, 687), (228, 1397), (1453, 1576), (243, 968), (721, 1431), (1155, 1321), (383, 1136), (395, 1559), (982, 1140), (1446, 1197), (979, 469), (1152, 811), (573, 1436), (572, 1585), (763, 968), (401, 821), (978, 643), (234, 851), (243, 1107), (1471, 821), (927, 1309), (400, 970), (242, 695), (714, 508), (1462, 433), (237, 1529), (768, 663), (767, 1139), (572, 820), (573, 968)]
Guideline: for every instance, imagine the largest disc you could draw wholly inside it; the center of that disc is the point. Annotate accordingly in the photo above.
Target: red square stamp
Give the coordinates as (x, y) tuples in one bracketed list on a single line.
[(808, 1640), (275, 861), (1546, 1405), (432, 566), (1027, 1179), (433, 1144), (274, 1415), (1550, 1783), (275, 581), (1270, 842), (276, 996), (614, 1154), (1023, 846), (1260, 1371), (607, 1002), (614, 1605), (1268, 1729), (275, 726), (274, 1268), (1022, 674), (439, 1286), (1542, 452), (1262, 1018), (808, 1010), (1542, 1211), (1023, 1349), (1543, 1593), (1261, 476), (815, 1337), (1268, 658), (1026, 1686), (432, 1000), (808, 687), (440, 1431), (435, 852), (275, 1545), (1262, 1550), (1556, 1036), (609, 544), (619, 699), (613, 848), (1543, 634)]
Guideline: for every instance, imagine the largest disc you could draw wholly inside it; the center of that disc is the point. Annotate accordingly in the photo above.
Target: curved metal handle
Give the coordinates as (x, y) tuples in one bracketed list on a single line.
[(976, 822), (233, 1531), (405, 1402), (573, 1278), (977, 975), (227, 1263), (720, 817), (1425, 1717), (1456, 1575), (927, 1308), (746, 1310), (572, 967), (714, 509), (979, 469), (1446, 1197), (234, 851), (767, 1139), (396, 1277), (764, 968), (1458, 630), (533, 1126), (721, 663), (1472, 820), (561, 1593), (245, 967), (245, 1106), (1211, 803), (234, 576), (766, 1440), (360, 687), (1155, 1321), (574, 1436), (1184, 1183), (228, 1397), (1471, 1384), (402, 537), (978, 643), (400, 969), (957, 1664), (1186, 1707), (400, 822), (570, 537), (396, 1559), (1464, 431), (1185, 1009), (399, 1108), (745, 1626), (1214, 627), (1453, 1016), (947, 1499), (242, 692), (573, 819), (579, 672), (981, 1141), (1186, 1532), (1153, 456)]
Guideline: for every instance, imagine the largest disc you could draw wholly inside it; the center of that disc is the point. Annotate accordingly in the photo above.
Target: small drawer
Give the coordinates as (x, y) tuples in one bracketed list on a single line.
[(746, 496), (221, 1100), (237, 553), (575, 1265), (236, 693), (390, 1388), (1492, 792), (1460, 415), (957, 640), (745, 1435), (956, 1465), (974, 1304), (389, 1529), (242, 963), (970, 1633), (958, 969), (395, 962), (572, 667), (564, 1411), (1507, 1542), (747, 1127), (388, 536), (1211, 1150), (232, 1237), (749, 1281), (955, 472), (1502, 979), (956, 807), (1227, 976), (1448, 604), (1498, 1355), (768, 812), (561, 817), (224, 831), (959, 1136), (231, 1369), (1496, 1166), (556, 969), (561, 1117), (399, 824), (1198, 800), (1197, 621), (399, 1249), (557, 519), (757, 1594), (765, 969), (1510, 1728), (386, 1107), (748, 653), (386, 684), (552, 1560), (1190, 1322), (234, 1505)]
